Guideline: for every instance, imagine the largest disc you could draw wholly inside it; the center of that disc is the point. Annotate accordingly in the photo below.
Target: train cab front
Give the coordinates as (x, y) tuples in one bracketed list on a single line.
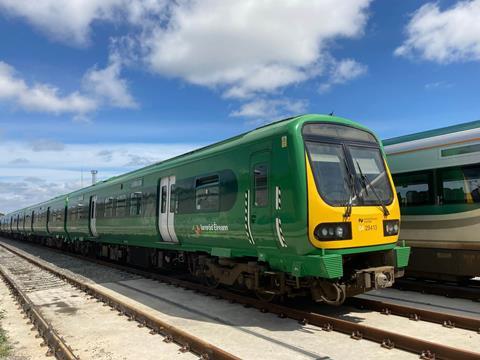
[(353, 212)]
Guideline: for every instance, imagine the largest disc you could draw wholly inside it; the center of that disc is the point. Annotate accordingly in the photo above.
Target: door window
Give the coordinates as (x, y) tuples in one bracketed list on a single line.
[(261, 185), (163, 207), (173, 199)]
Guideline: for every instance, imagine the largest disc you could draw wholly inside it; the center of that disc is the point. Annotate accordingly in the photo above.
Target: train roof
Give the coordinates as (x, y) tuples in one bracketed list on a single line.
[(443, 137), (432, 133), (241, 139), (247, 137)]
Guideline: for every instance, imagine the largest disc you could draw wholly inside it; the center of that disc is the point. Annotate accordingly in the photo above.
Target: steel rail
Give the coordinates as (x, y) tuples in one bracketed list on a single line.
[(387, 339), (57, 346), (415, 314), (187, 341)]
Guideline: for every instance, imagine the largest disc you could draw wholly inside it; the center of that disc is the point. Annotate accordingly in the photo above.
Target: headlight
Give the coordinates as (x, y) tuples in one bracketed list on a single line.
[(333, 231), (390, 227)]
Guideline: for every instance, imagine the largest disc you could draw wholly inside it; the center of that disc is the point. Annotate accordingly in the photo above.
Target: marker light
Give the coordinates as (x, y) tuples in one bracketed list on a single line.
[(334, 231), (390, 227)]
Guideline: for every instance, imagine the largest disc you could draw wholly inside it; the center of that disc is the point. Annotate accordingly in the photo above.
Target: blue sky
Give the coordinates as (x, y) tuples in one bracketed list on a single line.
[(115, 85)]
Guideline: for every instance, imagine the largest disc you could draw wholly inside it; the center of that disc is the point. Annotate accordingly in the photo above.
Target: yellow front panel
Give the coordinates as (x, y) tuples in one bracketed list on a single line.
[(367, 221)]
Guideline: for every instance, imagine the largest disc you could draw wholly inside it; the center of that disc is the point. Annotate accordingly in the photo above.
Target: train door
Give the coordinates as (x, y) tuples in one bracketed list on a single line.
[(167, 204), (47, 221), (33, 221), (93, 215), (260, 199)]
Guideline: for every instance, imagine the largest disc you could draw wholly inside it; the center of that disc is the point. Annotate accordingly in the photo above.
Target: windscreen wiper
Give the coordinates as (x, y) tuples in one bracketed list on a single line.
[(352, 192), (366, 183)]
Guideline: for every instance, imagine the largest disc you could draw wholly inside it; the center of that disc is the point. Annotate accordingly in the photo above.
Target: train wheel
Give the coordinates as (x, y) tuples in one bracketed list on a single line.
[(211, 282)]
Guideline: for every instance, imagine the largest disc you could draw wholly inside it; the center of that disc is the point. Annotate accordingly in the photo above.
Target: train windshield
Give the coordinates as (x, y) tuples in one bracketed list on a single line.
[(348, 174), (370, 170)]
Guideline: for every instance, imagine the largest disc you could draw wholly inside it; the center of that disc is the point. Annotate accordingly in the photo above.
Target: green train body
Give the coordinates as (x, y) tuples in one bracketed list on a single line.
[(244, 211)]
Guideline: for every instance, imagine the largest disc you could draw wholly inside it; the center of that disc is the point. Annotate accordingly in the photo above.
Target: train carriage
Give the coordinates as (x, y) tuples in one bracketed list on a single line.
[(303, 204), (437, 178)]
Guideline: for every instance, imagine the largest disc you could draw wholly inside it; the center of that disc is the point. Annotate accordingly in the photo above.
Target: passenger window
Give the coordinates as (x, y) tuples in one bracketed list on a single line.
[(80, 212), (120, 206), (108, 208), (136, 203), (207, 193), (414, 189), (461, 185), (261, 185), (164, 199)]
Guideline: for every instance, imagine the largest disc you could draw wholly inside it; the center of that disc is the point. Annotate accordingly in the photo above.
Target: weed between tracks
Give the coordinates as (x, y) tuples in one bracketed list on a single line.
[(4, 344)]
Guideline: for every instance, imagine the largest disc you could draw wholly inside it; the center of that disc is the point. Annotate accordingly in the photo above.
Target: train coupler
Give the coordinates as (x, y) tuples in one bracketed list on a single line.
[(375, 278)]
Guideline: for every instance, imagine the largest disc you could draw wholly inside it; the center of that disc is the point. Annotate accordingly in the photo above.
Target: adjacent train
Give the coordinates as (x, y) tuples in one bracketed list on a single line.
[(437, 178), (302, 206)]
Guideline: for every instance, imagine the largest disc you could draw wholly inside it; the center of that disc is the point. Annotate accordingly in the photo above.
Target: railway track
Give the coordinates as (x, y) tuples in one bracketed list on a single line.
[(36, 284), (416, 314), (387, 339), (469, 291), (57, 345)]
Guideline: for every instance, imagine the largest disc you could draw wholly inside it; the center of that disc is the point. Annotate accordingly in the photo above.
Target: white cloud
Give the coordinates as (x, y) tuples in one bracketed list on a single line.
[(109, 86), (101, 87), (243, 49), (40, 97), (262, 110), (70, 21), (444, 36), (46, 174), (342, 72), (250, 47)]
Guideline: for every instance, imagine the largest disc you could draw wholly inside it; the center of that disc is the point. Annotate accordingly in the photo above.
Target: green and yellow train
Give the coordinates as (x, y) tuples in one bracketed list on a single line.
[(302, 206)]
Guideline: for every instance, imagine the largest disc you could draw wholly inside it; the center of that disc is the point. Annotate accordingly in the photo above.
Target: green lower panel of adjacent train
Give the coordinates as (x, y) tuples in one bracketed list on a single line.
[(305, 205), (437, 179)]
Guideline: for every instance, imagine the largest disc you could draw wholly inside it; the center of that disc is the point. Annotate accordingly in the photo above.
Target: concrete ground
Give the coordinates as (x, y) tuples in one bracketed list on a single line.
[(25, 346)]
